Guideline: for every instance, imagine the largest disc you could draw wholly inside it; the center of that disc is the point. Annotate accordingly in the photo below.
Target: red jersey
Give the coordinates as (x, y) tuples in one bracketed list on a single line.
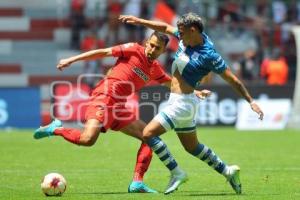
[(131, 72)]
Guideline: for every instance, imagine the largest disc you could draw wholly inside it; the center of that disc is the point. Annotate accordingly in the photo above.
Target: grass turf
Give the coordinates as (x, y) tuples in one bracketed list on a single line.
[(269, 164)]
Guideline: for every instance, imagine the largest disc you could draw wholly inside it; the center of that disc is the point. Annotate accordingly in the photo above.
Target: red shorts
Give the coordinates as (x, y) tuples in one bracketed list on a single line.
[(111, 113)]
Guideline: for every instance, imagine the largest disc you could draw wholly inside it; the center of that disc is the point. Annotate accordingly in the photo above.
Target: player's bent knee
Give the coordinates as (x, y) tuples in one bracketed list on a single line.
[(138, 134), (146, 138), (147, 135), (88, 141), (190, 148)]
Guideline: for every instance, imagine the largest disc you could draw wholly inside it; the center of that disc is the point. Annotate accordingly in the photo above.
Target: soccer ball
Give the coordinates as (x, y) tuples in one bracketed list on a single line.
[(53, 184)]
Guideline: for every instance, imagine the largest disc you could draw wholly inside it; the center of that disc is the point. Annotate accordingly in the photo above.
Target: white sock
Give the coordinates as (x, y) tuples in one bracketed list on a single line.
[(226, 172), (177, 171)]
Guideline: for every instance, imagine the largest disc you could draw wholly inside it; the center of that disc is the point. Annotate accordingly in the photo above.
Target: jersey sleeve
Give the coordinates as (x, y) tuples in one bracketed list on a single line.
[(124, 50), (158, 74), (217, 63)]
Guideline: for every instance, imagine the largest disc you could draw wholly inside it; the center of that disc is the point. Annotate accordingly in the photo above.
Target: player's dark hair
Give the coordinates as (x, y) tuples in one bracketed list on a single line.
[(161, 37), (191, 19)]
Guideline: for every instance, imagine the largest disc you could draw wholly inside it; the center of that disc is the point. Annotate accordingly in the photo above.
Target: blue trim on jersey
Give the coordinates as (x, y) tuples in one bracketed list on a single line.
[(167, 120), (196, 62)]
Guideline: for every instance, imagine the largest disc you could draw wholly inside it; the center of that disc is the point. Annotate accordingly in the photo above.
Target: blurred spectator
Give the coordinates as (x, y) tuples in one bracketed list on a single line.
[(132, 7), (230, 11), (114, 9), (77, 21), (293, 11), (247, 66), (91, 67), (275, 70), (145, 11), (279, 11), (145, 14), (166, 13), (290, 55), (262, 8), (259, 25)]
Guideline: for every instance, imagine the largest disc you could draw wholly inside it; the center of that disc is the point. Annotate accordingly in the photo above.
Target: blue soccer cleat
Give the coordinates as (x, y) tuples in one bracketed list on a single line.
[(139, 187), (48, 130)]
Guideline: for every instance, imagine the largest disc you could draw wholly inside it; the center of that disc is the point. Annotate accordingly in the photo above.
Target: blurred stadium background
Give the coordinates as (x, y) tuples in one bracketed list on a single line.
[(257, 38), (254, 37)]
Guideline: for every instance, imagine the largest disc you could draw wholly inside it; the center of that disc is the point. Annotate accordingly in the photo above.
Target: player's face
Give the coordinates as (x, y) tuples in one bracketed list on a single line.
[(185, 34), (154, 48)]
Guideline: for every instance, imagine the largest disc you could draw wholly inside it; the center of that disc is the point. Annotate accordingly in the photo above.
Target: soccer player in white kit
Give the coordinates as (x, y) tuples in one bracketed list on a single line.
[(194, 59)]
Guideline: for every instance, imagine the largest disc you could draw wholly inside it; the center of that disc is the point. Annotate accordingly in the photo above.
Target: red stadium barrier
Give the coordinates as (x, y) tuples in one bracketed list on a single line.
[(10, 69), (11, 12)]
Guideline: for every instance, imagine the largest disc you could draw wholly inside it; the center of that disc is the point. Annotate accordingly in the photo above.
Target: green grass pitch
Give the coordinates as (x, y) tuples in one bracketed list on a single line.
[(269, 161)]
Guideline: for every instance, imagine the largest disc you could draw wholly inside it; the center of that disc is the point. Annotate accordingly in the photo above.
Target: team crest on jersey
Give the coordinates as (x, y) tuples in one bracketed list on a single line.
[(140, 73), (100, 111), (195, 56)]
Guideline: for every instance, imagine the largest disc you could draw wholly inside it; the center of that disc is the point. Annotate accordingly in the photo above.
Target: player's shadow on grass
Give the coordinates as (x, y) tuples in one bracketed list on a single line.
[(202, 194), (98, 193)]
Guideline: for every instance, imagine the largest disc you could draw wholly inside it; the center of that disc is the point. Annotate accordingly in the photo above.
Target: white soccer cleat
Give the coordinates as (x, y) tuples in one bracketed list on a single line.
[(175, 181), (234, 178)]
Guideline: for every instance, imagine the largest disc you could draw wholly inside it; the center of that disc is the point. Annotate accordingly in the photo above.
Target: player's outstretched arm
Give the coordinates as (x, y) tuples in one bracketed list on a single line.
[(89, 55), (155, 25), (229, 77)]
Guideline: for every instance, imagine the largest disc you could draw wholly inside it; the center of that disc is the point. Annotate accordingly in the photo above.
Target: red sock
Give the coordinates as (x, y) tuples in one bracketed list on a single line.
[(70, 134), (143, 160)]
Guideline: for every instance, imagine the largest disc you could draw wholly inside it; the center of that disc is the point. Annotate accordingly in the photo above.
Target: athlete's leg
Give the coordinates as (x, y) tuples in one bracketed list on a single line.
[(144, 155), (153, 129), (87, 138), (150, 135), (143, 160), (134, 129), (204, 153), (98, 116)]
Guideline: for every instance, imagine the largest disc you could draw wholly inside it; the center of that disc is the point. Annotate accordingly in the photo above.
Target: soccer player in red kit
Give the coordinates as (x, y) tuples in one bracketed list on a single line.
[(135, 67)]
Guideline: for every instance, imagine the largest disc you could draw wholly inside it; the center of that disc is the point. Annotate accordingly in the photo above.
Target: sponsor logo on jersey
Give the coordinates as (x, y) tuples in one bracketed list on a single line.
[(214, 62), (140, 73), (128, 45), (195, 55)]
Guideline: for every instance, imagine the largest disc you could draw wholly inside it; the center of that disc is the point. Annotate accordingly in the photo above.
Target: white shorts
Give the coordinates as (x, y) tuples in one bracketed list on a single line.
[(179, 113)]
